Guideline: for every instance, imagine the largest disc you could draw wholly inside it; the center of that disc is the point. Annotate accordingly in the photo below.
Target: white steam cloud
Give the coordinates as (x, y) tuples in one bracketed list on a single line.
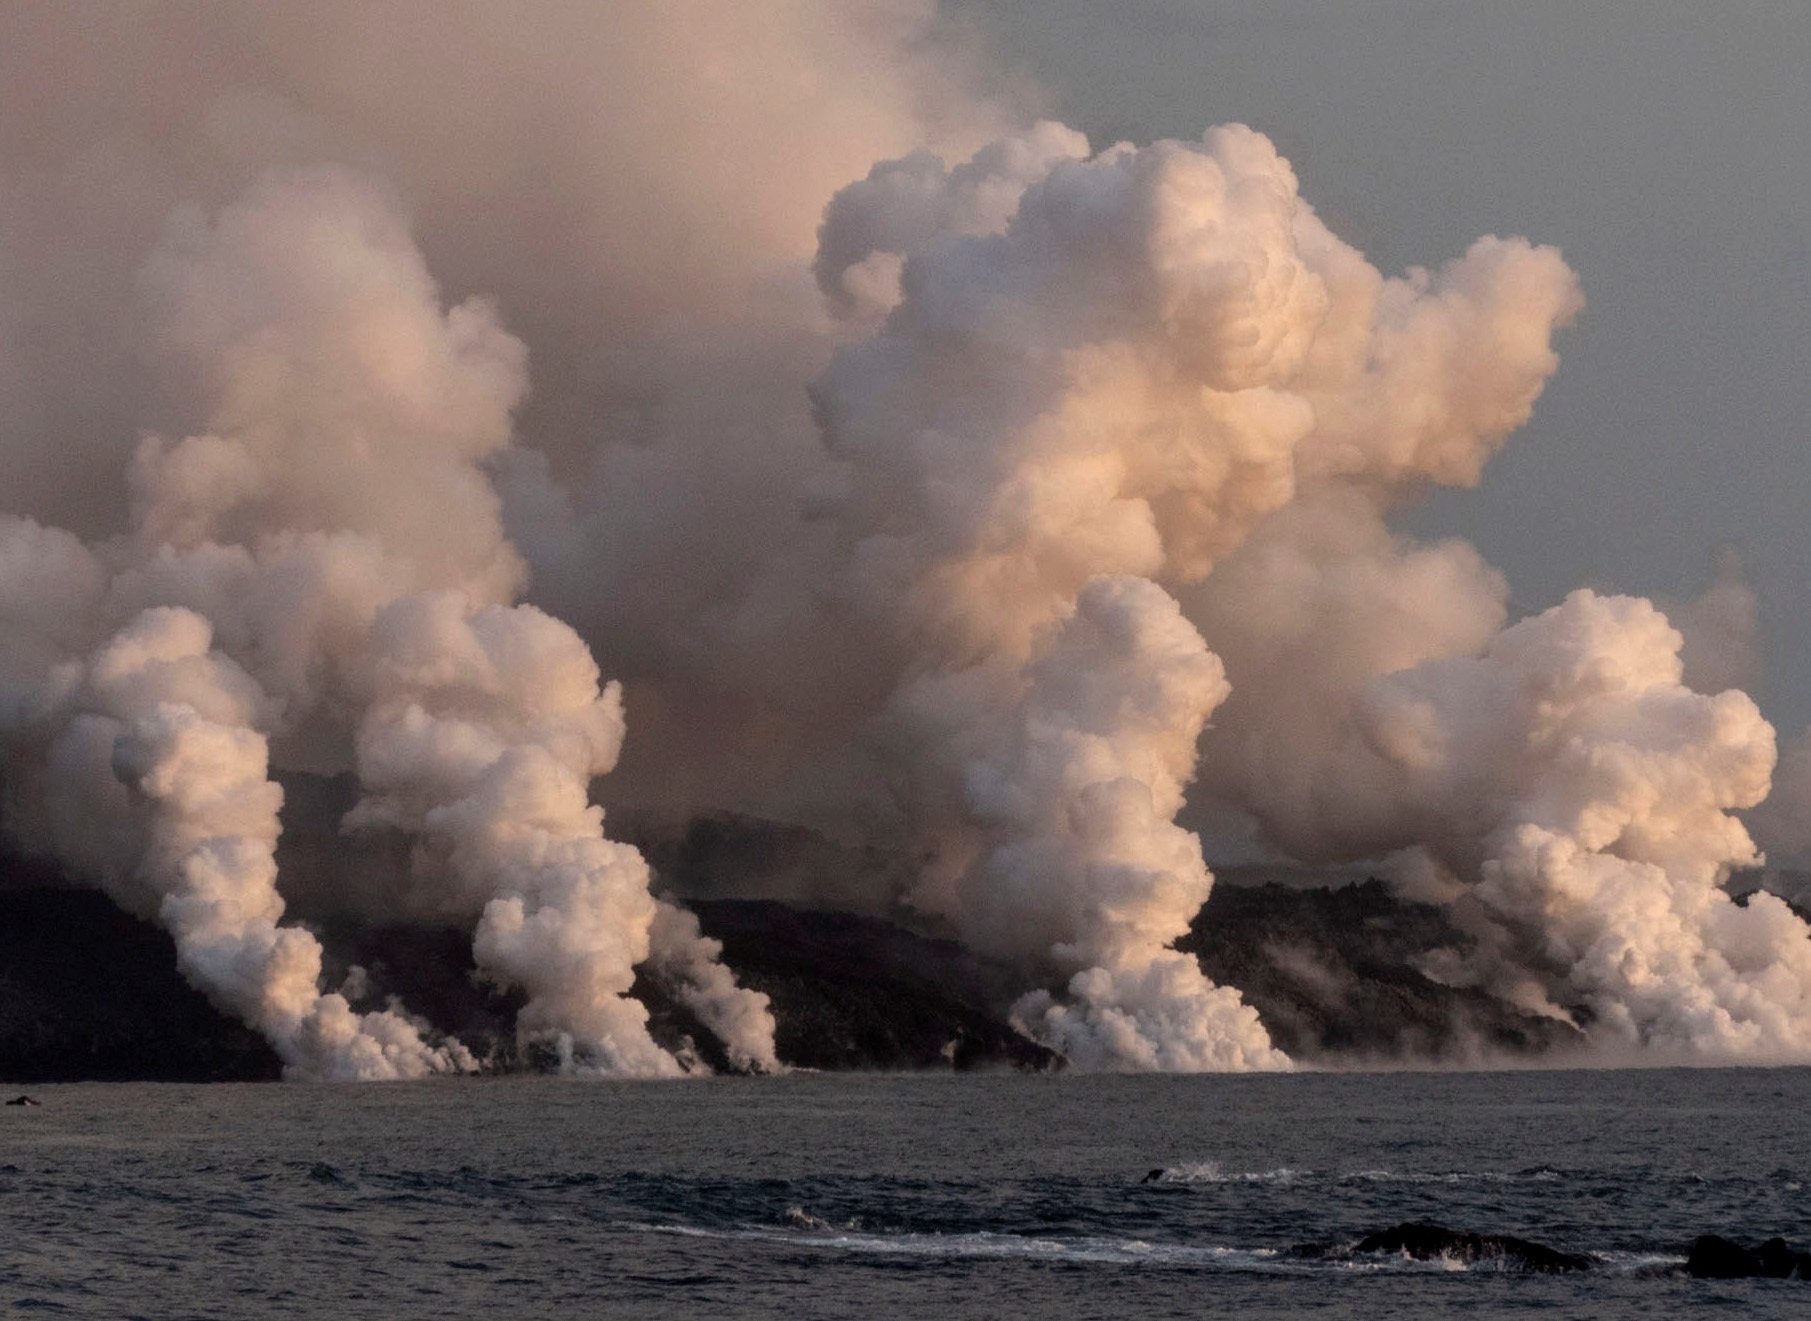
[(1101, 373), (914, 468), (325, 565)]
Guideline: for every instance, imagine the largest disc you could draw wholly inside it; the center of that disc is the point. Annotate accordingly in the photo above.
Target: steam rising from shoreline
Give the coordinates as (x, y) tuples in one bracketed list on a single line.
[(912, 467), (324, 566), (1093, 375)]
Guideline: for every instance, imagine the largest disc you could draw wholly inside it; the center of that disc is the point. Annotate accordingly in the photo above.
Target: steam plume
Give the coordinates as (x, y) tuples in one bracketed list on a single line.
[(962, 507), (1593, 794), (1098, 372), (334, 519)]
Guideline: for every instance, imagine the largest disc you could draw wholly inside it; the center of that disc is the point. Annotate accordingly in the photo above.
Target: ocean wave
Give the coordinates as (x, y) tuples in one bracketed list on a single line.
[(1210, 1172), (1640, 1263), (1534, 1174), (805, 1230), (800, 1229)]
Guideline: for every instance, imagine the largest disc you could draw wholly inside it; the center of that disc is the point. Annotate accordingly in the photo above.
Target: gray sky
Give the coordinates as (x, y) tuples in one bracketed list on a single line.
[(1663, 144)]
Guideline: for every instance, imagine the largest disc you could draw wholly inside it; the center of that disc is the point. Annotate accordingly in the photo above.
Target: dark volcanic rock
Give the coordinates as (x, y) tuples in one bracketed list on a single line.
[(859, 993), (1713, 1257), (89, 993), (1333, 972), (725, 855), (429, 968), (1429, 1242), (1425, 1242)]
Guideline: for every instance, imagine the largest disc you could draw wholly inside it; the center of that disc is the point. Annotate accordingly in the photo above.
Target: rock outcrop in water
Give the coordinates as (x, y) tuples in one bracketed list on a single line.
[(1713, 1257), (1427, 1242), (1424, 1241)]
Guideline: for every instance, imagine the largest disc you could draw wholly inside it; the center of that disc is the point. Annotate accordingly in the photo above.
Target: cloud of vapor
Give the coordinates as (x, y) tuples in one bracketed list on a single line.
[(1321, 602), (483, 735), (1083, 375), (910, 467), (638, 188), (1721, 631), (323, 567), (152, 778), (1083, 862), (1567, 783), (330, 504), (1595, 795)]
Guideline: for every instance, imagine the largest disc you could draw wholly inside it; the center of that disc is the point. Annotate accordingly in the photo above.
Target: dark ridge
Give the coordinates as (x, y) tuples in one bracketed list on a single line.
[(428, 969), (726, 855), (1424, 1241), (848, 992), (859, 993), (90, 993), (1332, 972), (1713, 1257)]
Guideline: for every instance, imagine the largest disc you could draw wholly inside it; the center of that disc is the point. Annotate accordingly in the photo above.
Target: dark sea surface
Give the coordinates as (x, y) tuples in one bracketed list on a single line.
[(941, 1196)]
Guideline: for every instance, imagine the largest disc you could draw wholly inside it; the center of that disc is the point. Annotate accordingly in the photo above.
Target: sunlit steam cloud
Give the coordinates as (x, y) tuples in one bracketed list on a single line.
[(325, 565), (912, 468), (1099, 374)]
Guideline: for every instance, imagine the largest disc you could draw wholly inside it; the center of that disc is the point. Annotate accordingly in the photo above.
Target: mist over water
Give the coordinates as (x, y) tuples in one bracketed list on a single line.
[(838, 1196)]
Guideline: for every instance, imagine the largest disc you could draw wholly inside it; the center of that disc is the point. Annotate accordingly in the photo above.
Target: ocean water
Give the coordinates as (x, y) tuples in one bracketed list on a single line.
[(895, 1196)]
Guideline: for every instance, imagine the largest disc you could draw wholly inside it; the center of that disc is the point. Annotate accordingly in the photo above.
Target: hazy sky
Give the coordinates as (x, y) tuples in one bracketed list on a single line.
[(1660, 143)]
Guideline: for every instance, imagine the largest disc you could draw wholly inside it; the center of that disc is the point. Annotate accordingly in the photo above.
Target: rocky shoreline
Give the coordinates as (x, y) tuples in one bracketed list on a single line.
[(88, 992)]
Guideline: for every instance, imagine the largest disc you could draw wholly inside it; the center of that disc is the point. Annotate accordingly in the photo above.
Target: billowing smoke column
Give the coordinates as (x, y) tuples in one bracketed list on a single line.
[(1088, 375), (1587, 793), (1085, 376), (155, 781), (324, 567), (1082, 863), (484, 732), (1567, 783), (1070, 466)]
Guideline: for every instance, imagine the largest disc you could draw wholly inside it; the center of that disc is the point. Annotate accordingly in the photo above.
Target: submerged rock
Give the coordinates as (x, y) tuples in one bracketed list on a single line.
[(1714, 1257)]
